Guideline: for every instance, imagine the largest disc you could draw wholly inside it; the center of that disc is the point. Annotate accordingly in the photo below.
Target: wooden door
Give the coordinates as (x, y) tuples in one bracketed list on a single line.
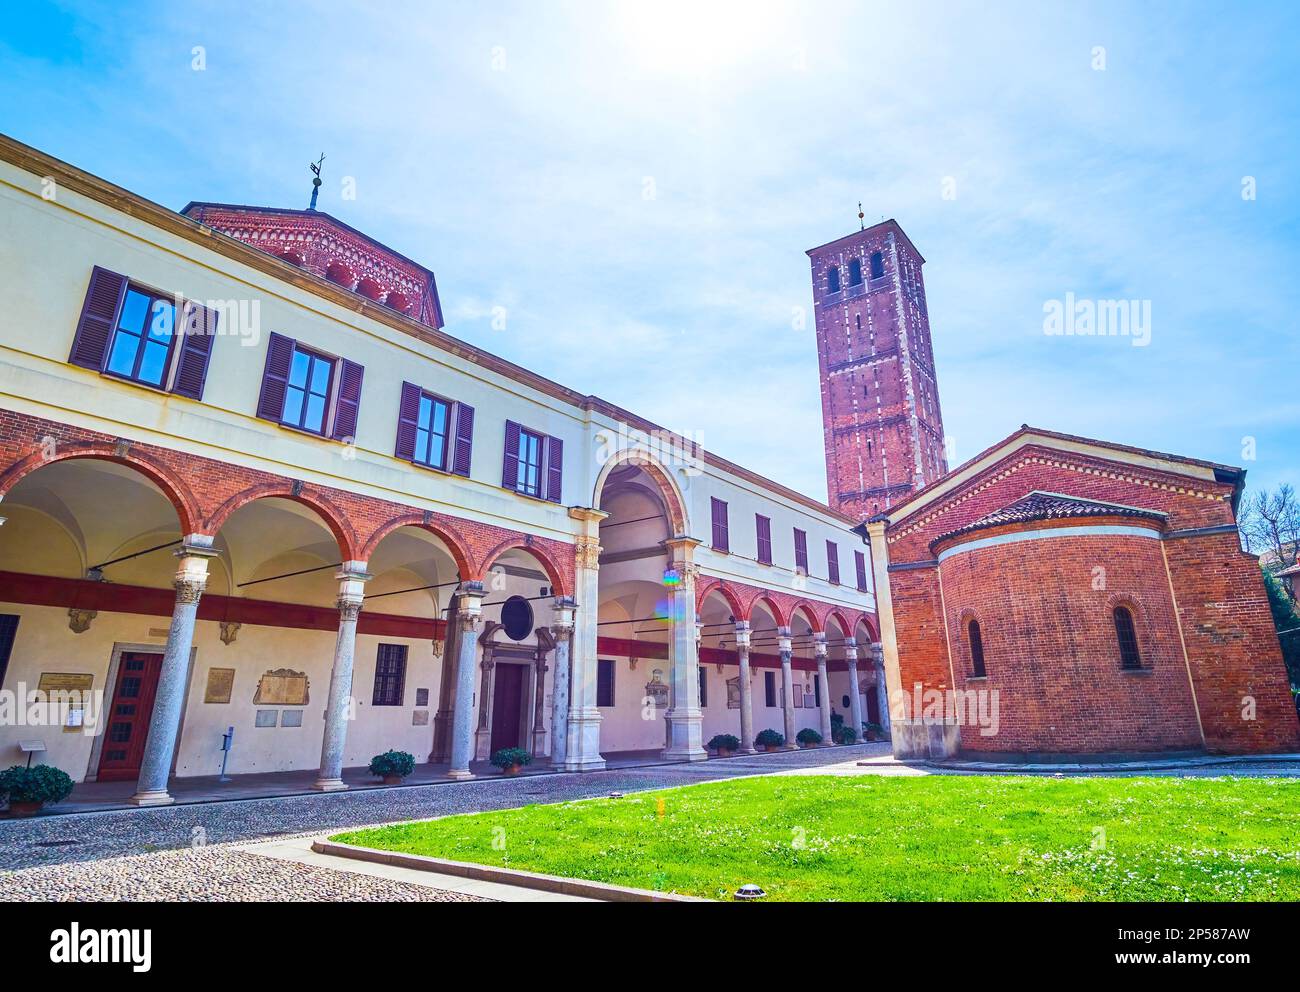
[(128, 719), (507, 705)]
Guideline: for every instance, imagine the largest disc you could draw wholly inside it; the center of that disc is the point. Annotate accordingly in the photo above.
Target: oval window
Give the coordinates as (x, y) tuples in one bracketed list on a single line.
[(517, 618)]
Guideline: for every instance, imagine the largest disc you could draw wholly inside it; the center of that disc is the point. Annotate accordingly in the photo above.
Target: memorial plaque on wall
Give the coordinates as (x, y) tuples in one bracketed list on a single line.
[(70, 690), (733, 693), (282, 687), (221, 683), (421, 697)]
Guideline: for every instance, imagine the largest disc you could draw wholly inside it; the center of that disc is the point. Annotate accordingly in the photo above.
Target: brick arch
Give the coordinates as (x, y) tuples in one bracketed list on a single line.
[(172, 486), (330, 515), (455, 544), (809, 613), (673, 500), (771, 605), (552, 568), (837, 615), (726, 592), (872, 625)]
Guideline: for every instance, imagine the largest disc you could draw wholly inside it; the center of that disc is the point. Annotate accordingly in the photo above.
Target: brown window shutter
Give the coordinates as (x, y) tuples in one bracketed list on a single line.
[(833, 562), (98, 317), (764, 527), (348, 407), (408, 419), (721, 540), (460, 460), (801, 550), (199, 328), (554, 469), (510, 461), (275, 377), (860, 563)]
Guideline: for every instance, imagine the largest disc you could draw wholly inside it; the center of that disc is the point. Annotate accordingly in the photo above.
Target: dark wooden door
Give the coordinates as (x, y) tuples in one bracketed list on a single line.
[(873, 705), (507, 705), (128, 719)]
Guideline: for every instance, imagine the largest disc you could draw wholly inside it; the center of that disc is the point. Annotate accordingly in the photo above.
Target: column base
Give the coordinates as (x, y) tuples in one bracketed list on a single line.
[(157, 798), (329, 785), (747, 750), (787, 746), (596, 764), (460, 774), (684, 754)]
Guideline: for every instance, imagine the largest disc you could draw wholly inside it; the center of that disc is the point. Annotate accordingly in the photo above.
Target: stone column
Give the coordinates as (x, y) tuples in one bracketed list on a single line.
[(483, 735), (582, 749), (685, 718), (855, 693), (746, 691), (469, 614), (787, 685), (441, 750), (882, 687), (169, 700), (562, 629), (338, 708), (545, 645), (819, 646)]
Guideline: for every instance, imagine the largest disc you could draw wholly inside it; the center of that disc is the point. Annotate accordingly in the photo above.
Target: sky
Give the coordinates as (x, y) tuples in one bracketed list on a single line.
[(619, 194)]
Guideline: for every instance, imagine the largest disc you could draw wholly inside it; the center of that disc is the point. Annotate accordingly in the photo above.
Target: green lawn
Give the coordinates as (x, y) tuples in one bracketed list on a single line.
[(874, 838)]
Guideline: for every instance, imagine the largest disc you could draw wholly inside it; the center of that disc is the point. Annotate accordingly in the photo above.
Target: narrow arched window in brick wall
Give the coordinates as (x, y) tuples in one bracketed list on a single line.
[(1126, 633), (976, 649)]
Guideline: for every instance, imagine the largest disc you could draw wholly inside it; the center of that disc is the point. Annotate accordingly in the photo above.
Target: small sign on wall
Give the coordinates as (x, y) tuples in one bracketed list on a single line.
[(221, 684), (267, 718), (282, 687)]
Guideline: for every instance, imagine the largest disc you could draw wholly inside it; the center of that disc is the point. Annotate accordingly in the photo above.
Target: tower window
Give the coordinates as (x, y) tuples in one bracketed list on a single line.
[(1125, 632), (833, 279), (855, 272), (877, 265), (976, 649)]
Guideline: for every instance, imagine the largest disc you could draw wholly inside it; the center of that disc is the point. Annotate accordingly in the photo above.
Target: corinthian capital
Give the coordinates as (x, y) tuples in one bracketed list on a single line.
[(586, 553)]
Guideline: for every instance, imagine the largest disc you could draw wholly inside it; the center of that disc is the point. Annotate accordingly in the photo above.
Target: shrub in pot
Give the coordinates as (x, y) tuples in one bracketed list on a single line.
[(725, 744), (769, 740), (845, 735), (29, 789), (511, 759), (808, 737), (873, 731), (392, 766)]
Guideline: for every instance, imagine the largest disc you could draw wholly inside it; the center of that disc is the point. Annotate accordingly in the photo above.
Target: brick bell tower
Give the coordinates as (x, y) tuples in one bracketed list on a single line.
[(880, 400)]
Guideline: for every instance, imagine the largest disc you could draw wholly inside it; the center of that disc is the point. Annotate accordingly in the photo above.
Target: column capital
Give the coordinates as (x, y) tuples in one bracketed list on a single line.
[(587, 515), (586, 553), (743, 634), (563, 621), (352, 576), (820, 647), (783, 644), (469, 605), (682, 548)]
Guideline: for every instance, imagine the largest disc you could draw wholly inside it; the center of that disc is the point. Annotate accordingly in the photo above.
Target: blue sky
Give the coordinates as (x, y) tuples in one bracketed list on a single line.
[(636, 184)]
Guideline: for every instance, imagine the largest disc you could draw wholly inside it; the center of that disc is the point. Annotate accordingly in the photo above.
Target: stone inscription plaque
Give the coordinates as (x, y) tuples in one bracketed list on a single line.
[(221, 683), (282, 687)]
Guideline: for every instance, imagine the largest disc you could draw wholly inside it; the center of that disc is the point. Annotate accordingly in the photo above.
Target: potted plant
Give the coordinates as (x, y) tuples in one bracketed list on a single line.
[(392, 766), (511, 759), (29, 789), (808, 737), (844, 735), (769, 740), (725, 744), (873, 731)]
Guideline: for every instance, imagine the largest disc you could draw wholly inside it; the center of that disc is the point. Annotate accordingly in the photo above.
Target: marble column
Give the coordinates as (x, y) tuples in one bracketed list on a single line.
[(882, 687), (169, 700), (339, 707), (685, 718), (469, 614), (746, 690), (786, 650), (819, 646), (562, 629), (545, 645), (487, 667), (582, 747), (855, 693), (441, 749)]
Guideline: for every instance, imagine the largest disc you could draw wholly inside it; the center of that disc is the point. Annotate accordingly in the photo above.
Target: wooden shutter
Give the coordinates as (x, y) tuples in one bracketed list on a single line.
[(833, 562), (510, 462), (764, 527), (720, 536), (801, 550), (98, 318), (199, 329), (349, 401), (408, 421), (860, 563), (554, 469), (460, 459), (275, 377)]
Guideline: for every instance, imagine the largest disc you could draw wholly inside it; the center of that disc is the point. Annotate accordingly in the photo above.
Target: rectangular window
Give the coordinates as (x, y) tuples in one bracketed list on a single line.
[(390, 675), (801, 550), (529, 480), (8, 630), (721, 539), (860, 564), (141, 348), (704, 687), (307, 393), (817, 691), (431, 429), (769, 689), (764, 527), (833, 563), (604, 683)]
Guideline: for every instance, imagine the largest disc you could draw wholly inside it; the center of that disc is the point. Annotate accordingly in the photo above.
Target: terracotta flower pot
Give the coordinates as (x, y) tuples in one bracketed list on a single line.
[(770, 748), (724, 752), (18, 809), (392, 780), (511, 770)]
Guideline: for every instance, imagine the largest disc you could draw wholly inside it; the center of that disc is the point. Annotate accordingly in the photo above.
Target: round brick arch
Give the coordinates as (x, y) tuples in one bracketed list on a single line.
[(451, 539), (727, 593), (770, 604), (809, 612), (330, 515), (170, 484), (873, 628), (673, 500), (549, 565), (846, 626)]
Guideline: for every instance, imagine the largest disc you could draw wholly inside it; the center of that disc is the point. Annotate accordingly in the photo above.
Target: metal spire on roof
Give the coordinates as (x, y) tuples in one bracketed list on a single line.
[(315, 183), (862, 218)]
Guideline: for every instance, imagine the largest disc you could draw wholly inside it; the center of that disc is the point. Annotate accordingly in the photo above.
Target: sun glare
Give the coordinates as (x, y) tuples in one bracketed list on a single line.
[(704, 37)]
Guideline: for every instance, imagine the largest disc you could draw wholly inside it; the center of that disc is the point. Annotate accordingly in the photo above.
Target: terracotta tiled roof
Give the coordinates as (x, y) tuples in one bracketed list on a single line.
[(1050, 506)]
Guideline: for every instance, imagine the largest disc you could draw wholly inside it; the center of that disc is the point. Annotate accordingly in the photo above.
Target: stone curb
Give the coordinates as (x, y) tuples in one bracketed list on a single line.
[(1113, 766), (502, 876)]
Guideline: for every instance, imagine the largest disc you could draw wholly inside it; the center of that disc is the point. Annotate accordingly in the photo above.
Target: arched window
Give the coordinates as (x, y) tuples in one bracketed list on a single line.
[(833, 279), (976, 649), (877, 265), (1126, 634), (855, 272)]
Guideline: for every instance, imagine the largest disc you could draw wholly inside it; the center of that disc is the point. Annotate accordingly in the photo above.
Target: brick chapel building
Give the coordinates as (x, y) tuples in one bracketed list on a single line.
[(1054, 595)]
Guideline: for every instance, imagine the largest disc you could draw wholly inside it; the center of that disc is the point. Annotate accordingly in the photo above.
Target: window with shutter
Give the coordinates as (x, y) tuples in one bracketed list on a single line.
[(199, 329), (801, 550), (860, 565), (390, 675), (554, 469), (833, 562), (721, 539), (98, 318), (769, 689), (764, 527), (275, 377), (460, 462), (307, 390), (348, 405), (604, 683)]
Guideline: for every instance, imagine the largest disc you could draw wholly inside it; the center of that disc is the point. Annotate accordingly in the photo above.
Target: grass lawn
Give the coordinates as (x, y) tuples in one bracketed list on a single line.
[(807, 837)]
